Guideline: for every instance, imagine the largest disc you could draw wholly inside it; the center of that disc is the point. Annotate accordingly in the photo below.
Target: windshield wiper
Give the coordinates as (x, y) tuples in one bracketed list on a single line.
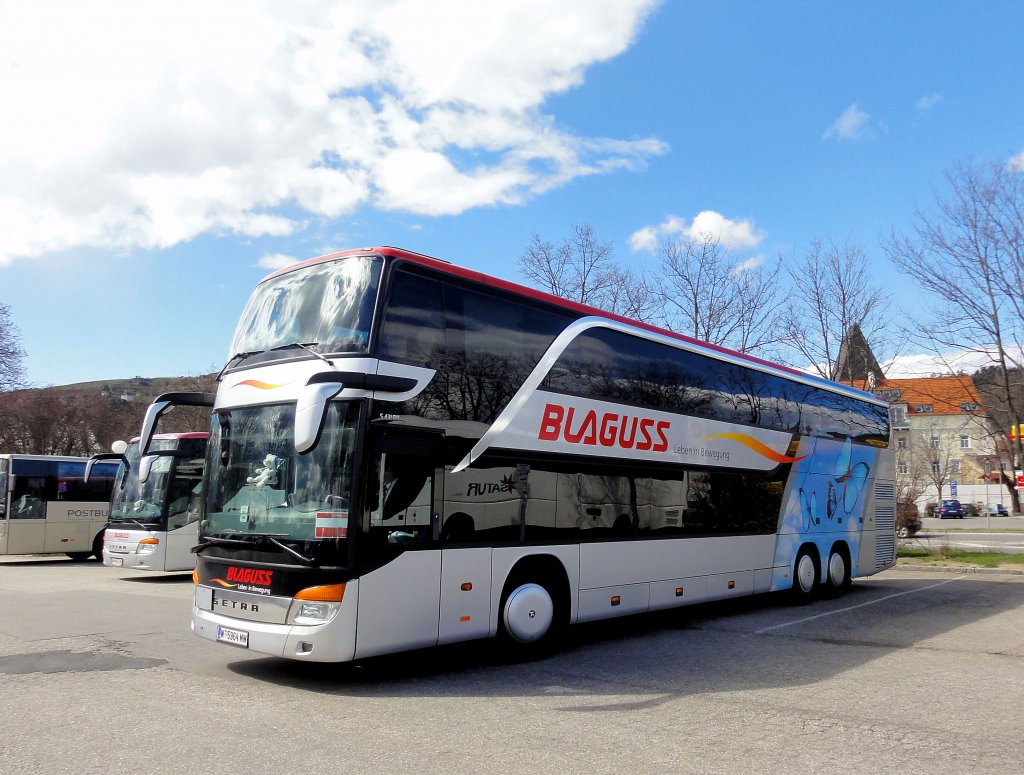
[(131, 519), (259, 538), (215, 541), (307, 561), (308, 347), (236, 357)]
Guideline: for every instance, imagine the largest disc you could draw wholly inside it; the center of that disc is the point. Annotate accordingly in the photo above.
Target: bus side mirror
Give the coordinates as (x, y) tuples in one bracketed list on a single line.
[(310, 413), (145, 467), (97, 458), (153, 413), (165, 403), (146, 463)]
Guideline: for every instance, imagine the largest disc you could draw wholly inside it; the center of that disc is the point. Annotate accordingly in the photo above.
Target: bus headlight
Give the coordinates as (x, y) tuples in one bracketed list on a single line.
[(148, 545), (313, 613), (316, 605)]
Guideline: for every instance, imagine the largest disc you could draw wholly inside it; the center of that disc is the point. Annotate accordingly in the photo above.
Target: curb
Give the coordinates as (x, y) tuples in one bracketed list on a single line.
[(961, 569)]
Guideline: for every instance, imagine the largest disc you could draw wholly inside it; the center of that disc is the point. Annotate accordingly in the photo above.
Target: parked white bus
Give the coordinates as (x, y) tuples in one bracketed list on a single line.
[(405, 453), (46, 508), (154, 507)]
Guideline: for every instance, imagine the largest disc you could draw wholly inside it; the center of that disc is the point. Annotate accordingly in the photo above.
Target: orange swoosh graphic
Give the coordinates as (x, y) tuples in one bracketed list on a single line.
[(260, 385), (751, 443), (223, 583)]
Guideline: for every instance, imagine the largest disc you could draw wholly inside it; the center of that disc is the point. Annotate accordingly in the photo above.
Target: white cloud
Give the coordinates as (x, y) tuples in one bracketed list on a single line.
[(925, 104), (1016, 163), (146, 124), (733, 235), (955, 361), (276, 261), (754, 262), (852, 124)]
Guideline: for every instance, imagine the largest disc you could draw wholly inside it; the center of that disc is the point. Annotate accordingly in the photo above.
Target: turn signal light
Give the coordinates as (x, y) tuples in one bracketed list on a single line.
[(327, 593), (195, 576), (149, 541)]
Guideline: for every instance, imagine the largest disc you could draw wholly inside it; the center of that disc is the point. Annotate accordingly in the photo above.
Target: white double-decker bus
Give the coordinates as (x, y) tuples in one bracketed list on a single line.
[(47, 508), (155, 504), (405, 453)]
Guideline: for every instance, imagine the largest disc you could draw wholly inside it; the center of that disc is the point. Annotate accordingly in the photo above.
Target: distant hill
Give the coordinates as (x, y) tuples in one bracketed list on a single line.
[(141, 389), (144, 387)]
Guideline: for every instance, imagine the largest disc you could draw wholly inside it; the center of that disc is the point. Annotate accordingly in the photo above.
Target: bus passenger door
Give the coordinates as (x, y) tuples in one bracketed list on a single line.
[(26, 514), (399, 550), (4, 514)]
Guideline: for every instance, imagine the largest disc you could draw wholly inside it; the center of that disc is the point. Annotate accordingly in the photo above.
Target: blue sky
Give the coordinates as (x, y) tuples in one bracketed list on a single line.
[(164, 163)]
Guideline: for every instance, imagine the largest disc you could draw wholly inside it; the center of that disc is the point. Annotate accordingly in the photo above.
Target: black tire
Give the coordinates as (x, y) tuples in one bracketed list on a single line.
[(533, 615), (97, 547), (837, 576), (79, 556), (806, 572)]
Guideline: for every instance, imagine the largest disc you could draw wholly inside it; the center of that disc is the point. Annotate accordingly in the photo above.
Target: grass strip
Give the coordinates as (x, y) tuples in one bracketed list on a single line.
[(950, 554)]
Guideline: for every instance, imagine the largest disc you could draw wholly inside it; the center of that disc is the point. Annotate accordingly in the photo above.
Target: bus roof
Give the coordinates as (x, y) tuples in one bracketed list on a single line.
[(58, 458), (523, 290)]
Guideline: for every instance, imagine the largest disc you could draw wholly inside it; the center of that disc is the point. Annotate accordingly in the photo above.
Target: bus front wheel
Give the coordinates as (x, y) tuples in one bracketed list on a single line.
[(534, 611), (528, 613)]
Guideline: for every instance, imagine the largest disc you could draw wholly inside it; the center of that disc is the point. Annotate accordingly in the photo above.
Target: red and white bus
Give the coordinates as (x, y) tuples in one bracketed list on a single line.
[(155, 503), (406, 453)]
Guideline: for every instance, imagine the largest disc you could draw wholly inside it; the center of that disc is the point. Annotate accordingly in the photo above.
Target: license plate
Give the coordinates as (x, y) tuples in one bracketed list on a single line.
[(233, 637), (117, 561)]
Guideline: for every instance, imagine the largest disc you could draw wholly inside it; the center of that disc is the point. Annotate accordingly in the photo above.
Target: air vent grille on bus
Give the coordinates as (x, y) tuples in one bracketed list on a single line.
[(885, 524)]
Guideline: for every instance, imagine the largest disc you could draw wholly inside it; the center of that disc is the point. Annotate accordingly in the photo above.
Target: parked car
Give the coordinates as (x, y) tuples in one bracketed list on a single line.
[(999, 510), (971, 510), (908, 520), (950, 509)]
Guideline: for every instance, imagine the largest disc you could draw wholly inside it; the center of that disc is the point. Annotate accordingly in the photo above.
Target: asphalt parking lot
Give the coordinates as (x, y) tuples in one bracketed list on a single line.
[(912, 671)]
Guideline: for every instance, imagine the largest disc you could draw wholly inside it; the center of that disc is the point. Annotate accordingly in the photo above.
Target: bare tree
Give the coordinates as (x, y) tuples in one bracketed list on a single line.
[(44, 422), (832, 293), (707, 293), (969, 255), (914, 473), (583, 269), (11, 354), (74, 421)]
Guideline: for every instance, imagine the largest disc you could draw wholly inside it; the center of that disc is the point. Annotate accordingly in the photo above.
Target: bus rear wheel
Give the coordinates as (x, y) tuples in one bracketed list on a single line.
[(805, 576), (838, 577), (79, 556)]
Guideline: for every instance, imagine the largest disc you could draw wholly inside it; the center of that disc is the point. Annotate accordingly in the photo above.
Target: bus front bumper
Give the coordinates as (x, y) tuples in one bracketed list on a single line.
[(152, 560), (332, 641)]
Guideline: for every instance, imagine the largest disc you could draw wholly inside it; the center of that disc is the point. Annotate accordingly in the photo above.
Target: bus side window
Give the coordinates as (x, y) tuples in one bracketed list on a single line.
[(414, 327), (27, 499), (401, 499)]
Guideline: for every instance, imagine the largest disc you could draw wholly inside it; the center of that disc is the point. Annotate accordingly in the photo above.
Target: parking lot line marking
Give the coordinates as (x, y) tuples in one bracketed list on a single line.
[(855, 607)]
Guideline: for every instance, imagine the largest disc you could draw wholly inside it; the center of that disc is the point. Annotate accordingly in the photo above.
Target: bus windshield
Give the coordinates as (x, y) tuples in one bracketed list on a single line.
[(327, 307), (259, 485), (143, 502)]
